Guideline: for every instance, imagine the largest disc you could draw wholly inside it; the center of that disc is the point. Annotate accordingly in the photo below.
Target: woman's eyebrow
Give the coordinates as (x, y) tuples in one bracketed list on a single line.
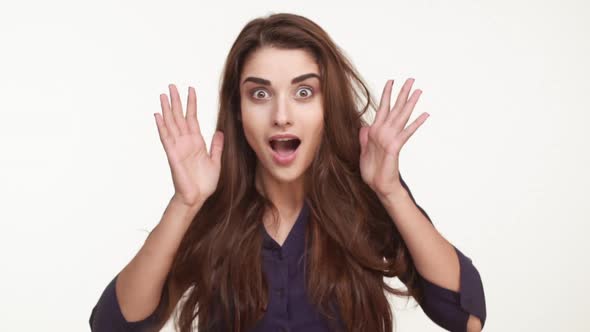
[(293, 81)]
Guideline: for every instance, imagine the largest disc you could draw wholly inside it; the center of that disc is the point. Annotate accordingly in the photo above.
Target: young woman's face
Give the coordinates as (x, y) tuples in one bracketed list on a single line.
[(280, 94)]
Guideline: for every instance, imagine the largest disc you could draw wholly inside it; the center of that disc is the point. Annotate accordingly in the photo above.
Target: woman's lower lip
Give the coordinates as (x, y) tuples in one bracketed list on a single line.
[(283, 159)]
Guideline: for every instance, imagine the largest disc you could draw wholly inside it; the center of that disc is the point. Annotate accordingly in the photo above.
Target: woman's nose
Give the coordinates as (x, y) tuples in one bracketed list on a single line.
[(282, 113)]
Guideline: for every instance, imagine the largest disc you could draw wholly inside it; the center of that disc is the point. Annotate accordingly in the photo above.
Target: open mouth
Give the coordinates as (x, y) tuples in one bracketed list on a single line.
[(285, 146)]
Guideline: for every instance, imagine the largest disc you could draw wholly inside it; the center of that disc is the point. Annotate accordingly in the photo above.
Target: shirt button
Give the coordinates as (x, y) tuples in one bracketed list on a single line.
[(281, 292)]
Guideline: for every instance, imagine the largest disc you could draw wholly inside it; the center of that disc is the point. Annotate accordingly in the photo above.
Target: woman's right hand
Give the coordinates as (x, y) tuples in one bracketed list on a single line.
[(195, 173)]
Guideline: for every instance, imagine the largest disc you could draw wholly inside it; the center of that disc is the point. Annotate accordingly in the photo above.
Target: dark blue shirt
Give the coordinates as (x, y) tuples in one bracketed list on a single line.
[(289, 308)]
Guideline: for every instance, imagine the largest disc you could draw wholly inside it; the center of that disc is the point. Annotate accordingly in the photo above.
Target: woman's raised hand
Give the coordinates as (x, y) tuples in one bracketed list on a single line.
[(195, 172)]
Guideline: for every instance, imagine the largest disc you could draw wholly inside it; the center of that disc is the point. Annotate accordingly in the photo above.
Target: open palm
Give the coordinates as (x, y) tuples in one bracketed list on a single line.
[(382, 141), (195, 173)]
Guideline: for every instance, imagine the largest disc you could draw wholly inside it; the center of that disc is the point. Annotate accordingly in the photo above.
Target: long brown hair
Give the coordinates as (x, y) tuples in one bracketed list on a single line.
[(353, 242)]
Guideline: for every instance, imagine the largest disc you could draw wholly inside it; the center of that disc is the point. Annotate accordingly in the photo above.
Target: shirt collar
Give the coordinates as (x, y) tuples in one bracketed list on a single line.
[(295, 241)]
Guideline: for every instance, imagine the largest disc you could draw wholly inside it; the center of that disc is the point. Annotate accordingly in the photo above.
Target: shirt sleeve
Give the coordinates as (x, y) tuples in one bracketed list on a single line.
[(450, 309), (447, 308), (107, 316)]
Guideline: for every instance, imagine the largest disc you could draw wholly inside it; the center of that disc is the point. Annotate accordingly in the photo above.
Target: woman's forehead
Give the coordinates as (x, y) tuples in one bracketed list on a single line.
[(279, 65)]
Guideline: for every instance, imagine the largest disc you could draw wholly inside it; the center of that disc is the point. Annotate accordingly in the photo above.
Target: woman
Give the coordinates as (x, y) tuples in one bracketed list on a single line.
[(297, 212)]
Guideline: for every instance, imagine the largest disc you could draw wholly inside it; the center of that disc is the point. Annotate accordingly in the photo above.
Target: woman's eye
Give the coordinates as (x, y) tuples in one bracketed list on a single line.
[(308, 92), (259, 94), (304, 92)]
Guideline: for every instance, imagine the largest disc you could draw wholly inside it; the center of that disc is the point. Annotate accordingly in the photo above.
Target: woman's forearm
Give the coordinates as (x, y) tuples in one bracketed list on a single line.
[(140, 284), (434, 257)]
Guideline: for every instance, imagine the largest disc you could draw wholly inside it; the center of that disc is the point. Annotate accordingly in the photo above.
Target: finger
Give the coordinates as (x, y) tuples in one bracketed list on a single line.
[(404, 116), (363, 138), (166, 139), (408, 132), (191, 112), (383, 108), (177, 110), (168, 117), (216, 147), (401, 100)]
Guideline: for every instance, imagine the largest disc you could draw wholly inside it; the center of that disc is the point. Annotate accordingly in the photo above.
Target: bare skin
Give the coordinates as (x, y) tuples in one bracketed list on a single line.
[(274, 102), (195, 174)]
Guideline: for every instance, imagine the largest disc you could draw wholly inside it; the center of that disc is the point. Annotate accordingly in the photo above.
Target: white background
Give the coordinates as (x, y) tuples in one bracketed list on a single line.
[(500, 165)]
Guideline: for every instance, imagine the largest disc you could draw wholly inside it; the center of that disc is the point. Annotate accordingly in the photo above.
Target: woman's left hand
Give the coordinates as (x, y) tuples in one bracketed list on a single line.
[(382, 141)]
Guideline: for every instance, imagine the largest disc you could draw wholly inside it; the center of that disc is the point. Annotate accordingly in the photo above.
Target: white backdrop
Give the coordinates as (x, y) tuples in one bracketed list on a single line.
[(500, 165)]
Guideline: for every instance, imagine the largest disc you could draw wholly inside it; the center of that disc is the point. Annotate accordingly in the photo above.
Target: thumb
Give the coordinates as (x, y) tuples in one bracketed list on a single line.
[(363, 137), (216, 147)]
